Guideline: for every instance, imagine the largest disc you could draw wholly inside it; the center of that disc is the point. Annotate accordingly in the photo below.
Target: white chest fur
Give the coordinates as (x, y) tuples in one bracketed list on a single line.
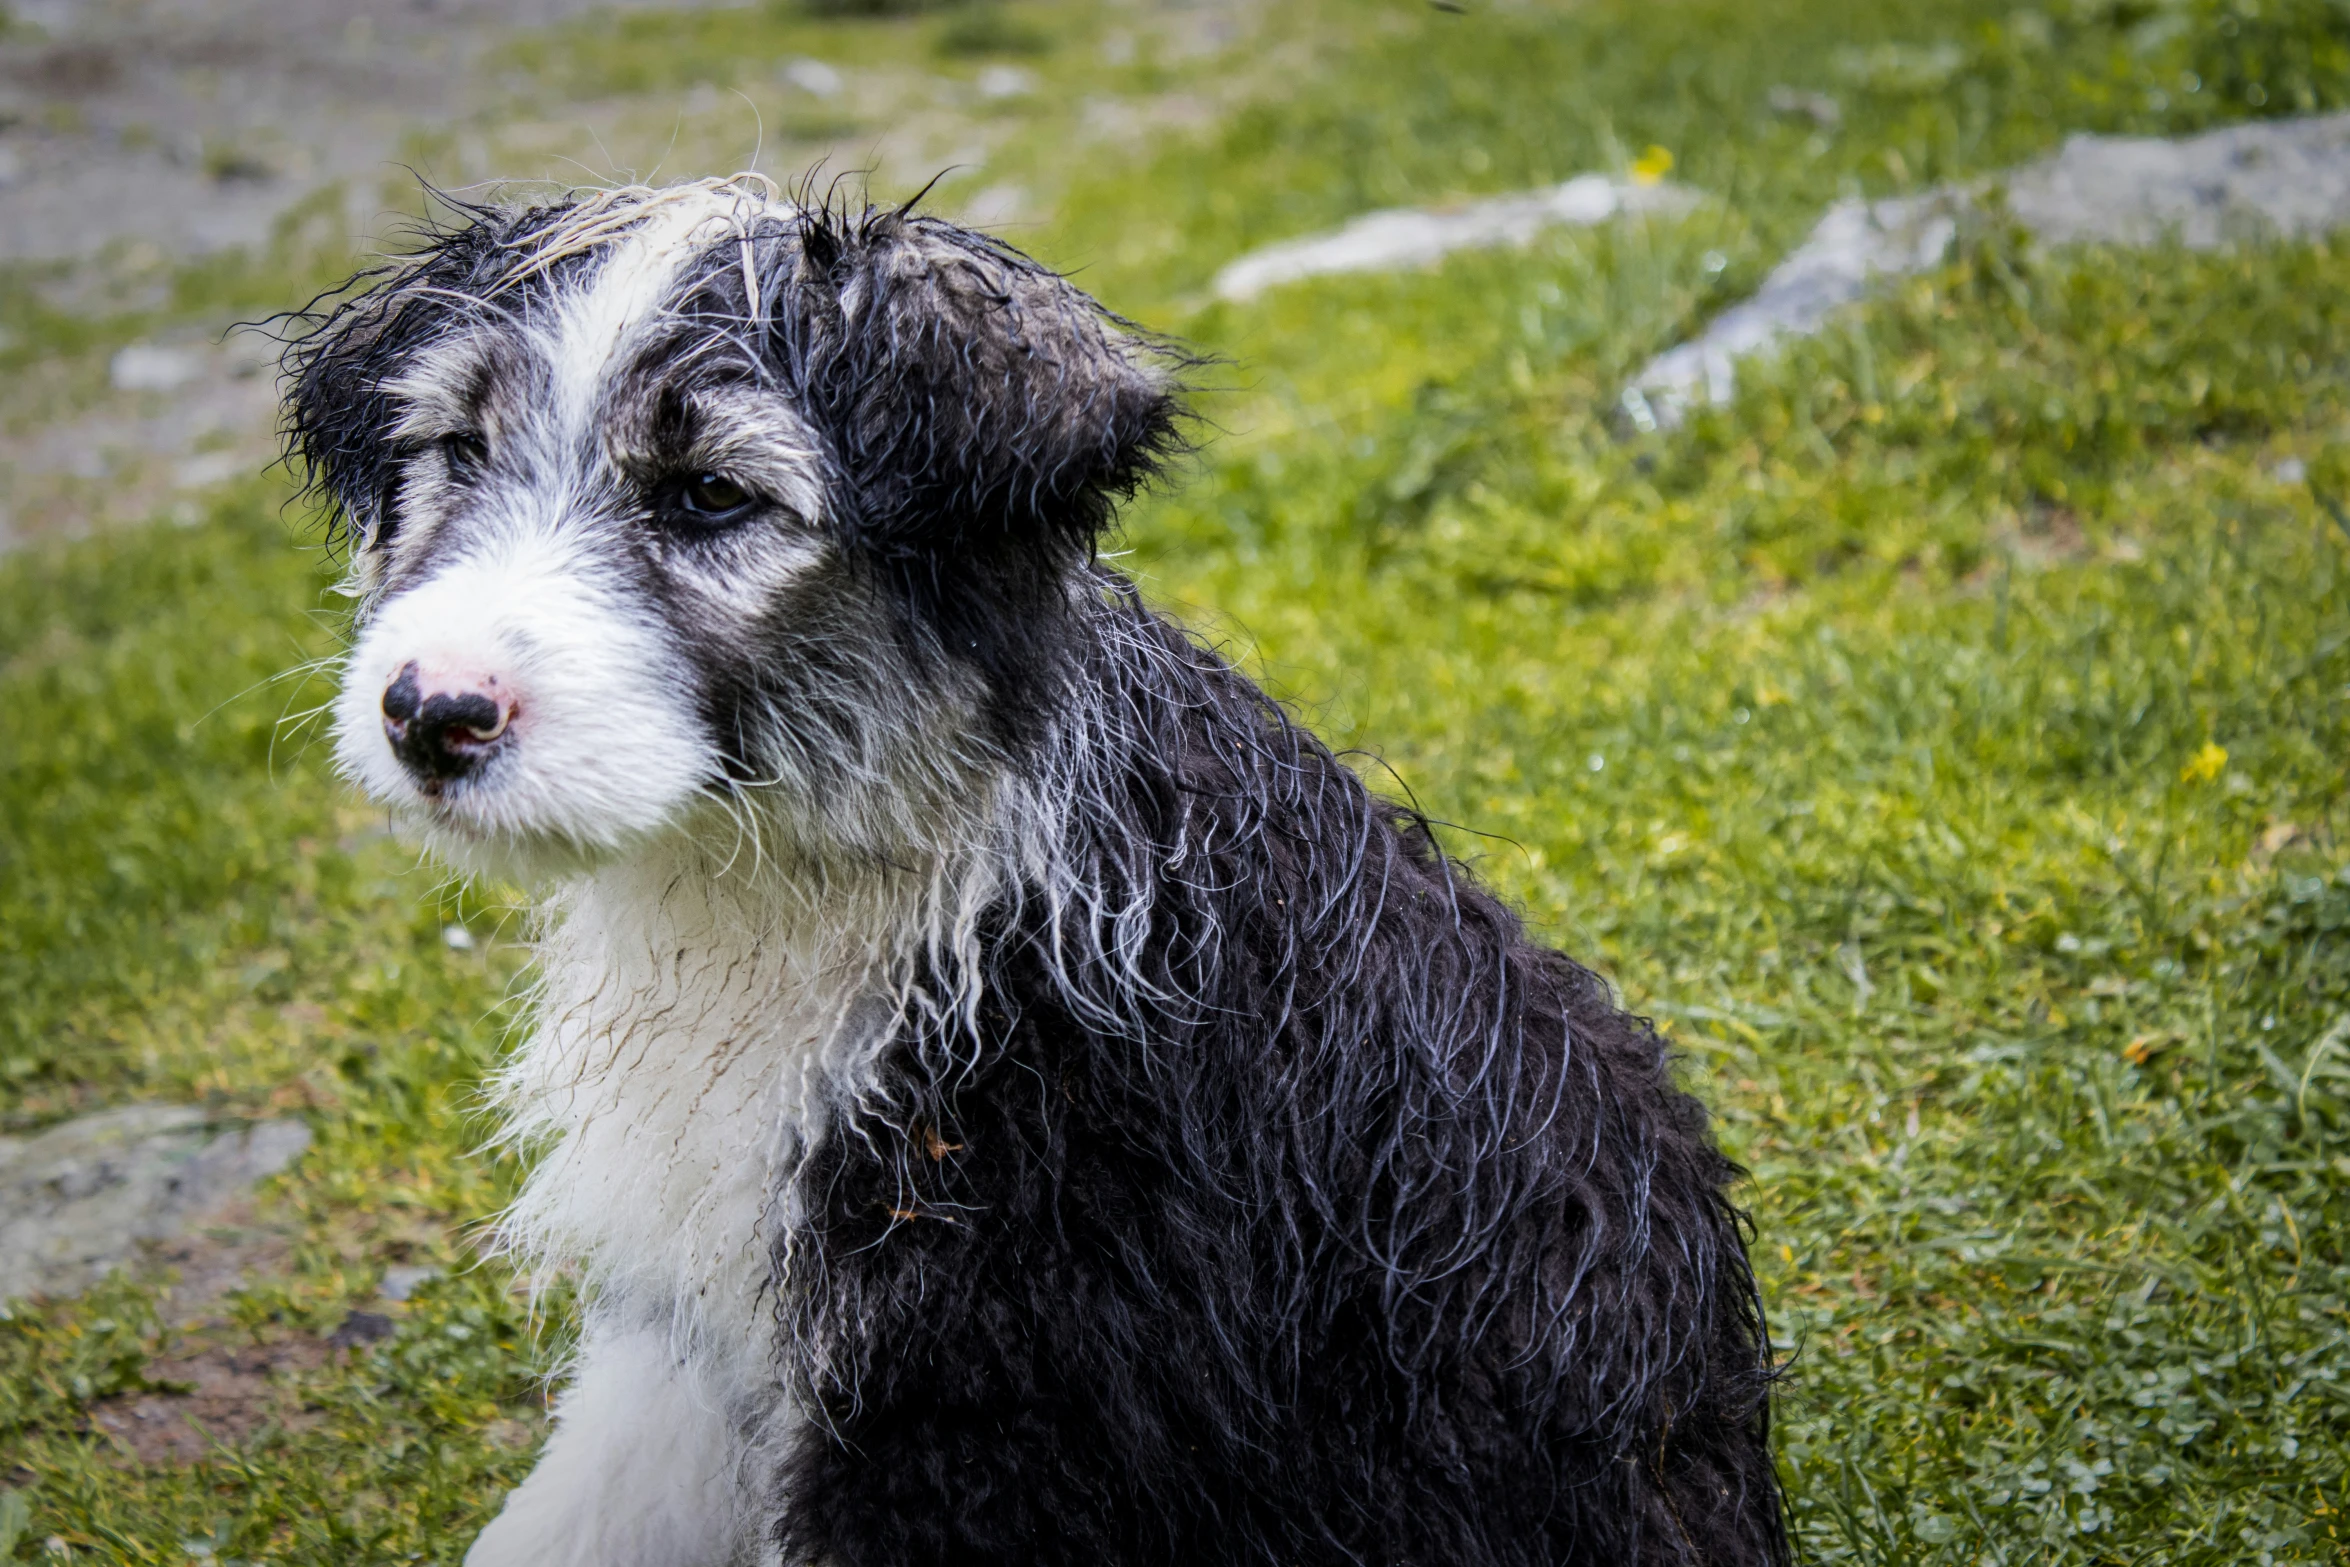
[(694, 1030), (689, 1038)]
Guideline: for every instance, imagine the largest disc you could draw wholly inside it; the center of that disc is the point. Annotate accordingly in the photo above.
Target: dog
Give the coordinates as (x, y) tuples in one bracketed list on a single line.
[(1009, 1093)]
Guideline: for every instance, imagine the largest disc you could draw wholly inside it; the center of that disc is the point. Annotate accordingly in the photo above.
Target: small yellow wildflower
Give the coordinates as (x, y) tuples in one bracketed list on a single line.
[(2205, 764), (1652, 165)]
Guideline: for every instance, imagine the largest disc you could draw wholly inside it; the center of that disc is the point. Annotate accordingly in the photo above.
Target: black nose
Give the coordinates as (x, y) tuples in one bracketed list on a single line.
[(441, 735)]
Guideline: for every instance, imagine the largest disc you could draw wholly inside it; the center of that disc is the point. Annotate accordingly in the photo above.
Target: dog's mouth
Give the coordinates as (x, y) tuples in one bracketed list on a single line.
[(449, 803), (504, 822), (465, 808)]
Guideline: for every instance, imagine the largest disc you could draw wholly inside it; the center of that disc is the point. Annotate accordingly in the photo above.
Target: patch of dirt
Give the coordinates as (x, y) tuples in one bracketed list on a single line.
[(232, 1251), (2049, 536), (221, 1386), (189, 125), (137, 133), (226, 1395), (137, 448)]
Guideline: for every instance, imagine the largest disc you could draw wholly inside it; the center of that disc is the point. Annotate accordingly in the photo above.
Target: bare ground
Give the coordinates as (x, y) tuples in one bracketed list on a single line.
[(135, 134)]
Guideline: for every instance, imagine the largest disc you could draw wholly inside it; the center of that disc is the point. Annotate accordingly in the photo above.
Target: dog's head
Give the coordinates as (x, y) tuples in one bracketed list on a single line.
[(658, 496)]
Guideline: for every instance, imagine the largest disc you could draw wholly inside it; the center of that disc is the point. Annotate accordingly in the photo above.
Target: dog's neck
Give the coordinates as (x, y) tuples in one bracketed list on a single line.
[(698, 1018)]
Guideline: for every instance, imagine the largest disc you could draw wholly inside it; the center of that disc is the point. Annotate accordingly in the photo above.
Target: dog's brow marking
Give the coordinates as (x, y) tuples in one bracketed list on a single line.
[(651, 240)]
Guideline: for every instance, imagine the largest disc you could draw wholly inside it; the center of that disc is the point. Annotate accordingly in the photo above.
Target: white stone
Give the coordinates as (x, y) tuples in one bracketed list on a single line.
[(813, 77), (400, 1283), (1856, 243), (1399, 237), (1816, 107), (207, 470), (150, 367), (2271, 178), (77, 1200), (1006, 81)]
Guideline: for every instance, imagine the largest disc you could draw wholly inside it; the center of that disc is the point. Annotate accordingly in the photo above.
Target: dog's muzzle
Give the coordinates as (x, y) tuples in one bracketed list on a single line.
[(444, 734)]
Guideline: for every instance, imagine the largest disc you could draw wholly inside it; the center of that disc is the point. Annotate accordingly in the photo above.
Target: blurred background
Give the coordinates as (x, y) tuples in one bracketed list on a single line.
[(1843, 504)]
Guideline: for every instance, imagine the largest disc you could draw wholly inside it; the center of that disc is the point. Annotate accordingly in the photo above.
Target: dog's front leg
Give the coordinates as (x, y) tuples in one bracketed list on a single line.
[(643, 1470)]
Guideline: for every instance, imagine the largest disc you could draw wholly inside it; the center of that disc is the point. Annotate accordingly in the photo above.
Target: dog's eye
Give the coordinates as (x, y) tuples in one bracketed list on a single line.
[(712, 497), (466, 454)]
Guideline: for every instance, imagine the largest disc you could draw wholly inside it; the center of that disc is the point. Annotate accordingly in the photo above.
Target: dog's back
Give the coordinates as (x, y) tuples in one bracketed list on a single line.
[(1289, 1206)]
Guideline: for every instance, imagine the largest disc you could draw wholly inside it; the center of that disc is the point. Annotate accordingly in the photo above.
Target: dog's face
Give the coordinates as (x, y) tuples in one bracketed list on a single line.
[(673, 498)]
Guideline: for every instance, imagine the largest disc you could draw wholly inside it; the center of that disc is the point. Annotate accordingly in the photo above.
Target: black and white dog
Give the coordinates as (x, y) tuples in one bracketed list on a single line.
[(1013, 1097)]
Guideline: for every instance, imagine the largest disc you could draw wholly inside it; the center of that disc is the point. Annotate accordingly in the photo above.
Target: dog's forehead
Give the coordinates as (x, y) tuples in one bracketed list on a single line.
[(601, 323)]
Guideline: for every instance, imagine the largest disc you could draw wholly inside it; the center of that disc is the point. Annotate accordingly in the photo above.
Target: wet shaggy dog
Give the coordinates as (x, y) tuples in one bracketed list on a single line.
[(1012, 1096)]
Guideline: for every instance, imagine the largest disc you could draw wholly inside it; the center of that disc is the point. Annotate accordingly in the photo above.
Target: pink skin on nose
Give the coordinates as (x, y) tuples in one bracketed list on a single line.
[(451, 677), (442, 721)]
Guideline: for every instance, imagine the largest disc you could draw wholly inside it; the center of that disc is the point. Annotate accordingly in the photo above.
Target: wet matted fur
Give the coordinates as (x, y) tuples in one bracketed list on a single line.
[(1014, 1096)]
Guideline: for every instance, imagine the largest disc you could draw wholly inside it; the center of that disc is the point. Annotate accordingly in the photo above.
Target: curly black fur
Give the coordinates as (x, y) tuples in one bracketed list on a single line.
[(987, 418), (1289, 1206)]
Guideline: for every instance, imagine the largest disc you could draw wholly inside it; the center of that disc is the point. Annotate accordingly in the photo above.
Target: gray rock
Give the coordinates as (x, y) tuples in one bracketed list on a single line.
[(77, 1200), (148, 367), (362, 1327), (1819, 108), (813, 77), (401, 1282), (208, 469), (2272, 178), (999, 82), (1400, 237), (1857, 242)]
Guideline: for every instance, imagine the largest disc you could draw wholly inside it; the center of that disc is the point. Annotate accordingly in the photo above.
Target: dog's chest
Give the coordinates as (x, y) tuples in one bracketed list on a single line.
[(681, 1067)]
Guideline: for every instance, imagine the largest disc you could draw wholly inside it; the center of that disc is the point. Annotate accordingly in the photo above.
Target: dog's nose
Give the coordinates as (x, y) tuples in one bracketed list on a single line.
[(441, 734)]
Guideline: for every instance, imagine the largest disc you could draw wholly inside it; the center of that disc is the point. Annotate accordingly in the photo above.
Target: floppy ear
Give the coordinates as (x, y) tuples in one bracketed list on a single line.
[(338, 416), (983, 409)]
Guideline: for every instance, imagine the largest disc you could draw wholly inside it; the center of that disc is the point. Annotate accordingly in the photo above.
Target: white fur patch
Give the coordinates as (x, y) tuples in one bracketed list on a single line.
[(694, 1030), (646, 1468), (605, 749), (690, 1032)]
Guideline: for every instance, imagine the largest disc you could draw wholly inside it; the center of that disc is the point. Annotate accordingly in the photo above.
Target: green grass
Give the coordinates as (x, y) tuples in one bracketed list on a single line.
[(1869, 733)]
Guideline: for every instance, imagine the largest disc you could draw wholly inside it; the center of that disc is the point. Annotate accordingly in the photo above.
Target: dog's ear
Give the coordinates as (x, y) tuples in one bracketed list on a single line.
[(981, 406), (338, 414)]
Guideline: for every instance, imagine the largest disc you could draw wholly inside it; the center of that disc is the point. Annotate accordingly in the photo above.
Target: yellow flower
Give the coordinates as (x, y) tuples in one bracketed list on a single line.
[(2205, 764), (1652, 166)]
